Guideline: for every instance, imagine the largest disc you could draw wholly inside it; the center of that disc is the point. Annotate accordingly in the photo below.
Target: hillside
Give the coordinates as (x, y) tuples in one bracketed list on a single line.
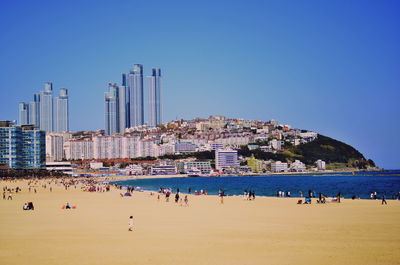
[(325, 148), (333, 152)]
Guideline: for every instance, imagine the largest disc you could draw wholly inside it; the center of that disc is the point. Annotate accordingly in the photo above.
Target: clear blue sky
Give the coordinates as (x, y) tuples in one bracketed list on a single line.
[(328, 66)]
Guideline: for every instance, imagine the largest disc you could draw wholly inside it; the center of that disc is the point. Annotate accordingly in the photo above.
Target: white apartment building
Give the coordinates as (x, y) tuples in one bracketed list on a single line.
[(297, 166), (278, 166), (226, 159), (79, 149), (216, 146), (321, 165), (276, 145), (55, 146), (309, 136), (234, 141), (203, 166)]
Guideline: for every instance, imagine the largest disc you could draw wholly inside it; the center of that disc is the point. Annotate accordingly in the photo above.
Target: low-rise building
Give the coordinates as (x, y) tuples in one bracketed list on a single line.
[(254, 164), (203, 166), (163, 169), (63, 166), (321, 165), (297, 166), (278, 166), (226, 159)]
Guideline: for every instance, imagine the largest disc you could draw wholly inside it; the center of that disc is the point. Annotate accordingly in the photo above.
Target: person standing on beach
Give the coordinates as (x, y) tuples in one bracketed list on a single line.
[(384, 199), (130, 223), (186, 200)]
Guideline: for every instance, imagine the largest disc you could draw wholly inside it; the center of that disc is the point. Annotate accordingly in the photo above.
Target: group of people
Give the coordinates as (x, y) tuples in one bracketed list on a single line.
[(249, 195), (282, 194), (28, 206)]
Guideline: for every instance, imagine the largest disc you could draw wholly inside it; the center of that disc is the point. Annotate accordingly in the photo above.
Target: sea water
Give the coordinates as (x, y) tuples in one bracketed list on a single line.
[(361, 184)]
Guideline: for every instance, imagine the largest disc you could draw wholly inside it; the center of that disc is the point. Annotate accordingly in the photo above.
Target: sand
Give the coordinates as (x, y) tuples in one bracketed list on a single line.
[(264, 231)]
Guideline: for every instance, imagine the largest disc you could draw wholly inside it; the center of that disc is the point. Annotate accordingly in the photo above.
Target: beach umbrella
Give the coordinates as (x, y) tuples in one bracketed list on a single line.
[(127, 194)]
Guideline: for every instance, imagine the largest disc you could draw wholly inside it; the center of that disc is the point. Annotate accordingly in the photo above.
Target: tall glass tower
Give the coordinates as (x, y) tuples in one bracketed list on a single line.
[(125, 78), (135, 85), (46, 108), (23, 113), (111, 109), (34, 111), (62, 117), (154, 98), (122, 108)]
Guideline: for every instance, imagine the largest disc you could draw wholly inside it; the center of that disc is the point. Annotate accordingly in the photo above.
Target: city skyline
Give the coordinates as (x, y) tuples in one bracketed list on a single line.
[(41, 112), (327, 67), (124, 105)]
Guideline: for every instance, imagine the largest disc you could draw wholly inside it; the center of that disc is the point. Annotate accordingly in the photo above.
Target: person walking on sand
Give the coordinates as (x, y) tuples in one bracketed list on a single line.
[(9, 196), (186, 201), (130, 223), (221, 196), (384, 199), (4, 195)]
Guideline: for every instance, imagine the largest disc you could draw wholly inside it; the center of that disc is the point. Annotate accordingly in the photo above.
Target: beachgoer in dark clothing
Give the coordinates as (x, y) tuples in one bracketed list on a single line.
[(189, 190), (384, 199), (177, 197)]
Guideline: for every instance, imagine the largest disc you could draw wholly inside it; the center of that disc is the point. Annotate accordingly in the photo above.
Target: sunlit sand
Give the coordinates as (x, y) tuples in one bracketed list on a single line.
[(264, 231)]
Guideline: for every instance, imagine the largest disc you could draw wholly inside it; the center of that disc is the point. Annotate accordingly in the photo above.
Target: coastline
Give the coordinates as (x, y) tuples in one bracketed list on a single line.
[(116, 178)]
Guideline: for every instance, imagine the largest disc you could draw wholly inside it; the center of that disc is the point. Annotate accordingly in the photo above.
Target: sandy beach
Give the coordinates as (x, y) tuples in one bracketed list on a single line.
[(264, 231)]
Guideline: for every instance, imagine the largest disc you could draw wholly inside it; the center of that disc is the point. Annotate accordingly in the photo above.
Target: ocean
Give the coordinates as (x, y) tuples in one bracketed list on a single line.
[(361, 184)]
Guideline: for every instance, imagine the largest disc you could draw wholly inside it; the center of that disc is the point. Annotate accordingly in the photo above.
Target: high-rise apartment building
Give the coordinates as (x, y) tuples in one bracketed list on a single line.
[(39, 112), (135, 87), (22, 146), (124, 105), (127, 97), (62, 112), (111, 109), (23, 113), (122, 108), (34, 111), (46, 108), (154, 97)]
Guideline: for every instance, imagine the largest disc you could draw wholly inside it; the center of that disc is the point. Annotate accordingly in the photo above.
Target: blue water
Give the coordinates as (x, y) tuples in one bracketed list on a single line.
[(361, 184)]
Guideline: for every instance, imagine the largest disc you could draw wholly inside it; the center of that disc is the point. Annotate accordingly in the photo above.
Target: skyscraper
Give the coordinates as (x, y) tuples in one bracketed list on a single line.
[(62, 117), (46, 108), (154, 97), (122, 108), (127, 97), (34, 111), (135, 85), (111, 109), (23, 113)]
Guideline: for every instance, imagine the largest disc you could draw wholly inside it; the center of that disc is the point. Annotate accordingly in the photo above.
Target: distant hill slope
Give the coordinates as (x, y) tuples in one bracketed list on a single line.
[(327, 149), (331, 151), (324, 148)]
